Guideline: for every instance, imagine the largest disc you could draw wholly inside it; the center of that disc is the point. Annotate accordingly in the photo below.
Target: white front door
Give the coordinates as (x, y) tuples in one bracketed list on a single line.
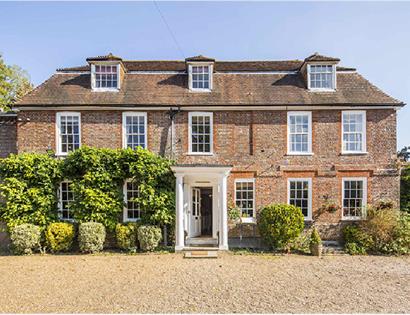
[(195, 218)]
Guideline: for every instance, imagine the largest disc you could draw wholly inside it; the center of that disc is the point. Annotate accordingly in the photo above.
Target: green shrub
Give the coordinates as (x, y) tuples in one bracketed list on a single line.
[(60, 236), (25, 238), (400, 244), (356, 241), (126, 235), (405, 189), (149, 237), (315, 237), (279, 224), (91, 237)]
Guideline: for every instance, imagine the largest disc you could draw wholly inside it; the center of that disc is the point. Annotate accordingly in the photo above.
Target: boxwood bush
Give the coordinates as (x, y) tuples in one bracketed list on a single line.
[(126, 235), (149, 237), (279, 224), (60, 236), (25, 238), (91, 237)]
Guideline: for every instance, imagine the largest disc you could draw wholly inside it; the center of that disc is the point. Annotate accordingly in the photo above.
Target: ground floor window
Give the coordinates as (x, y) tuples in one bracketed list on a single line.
[(245, 197), (300, 195), (65, 198), (354, 198), (132, 210)]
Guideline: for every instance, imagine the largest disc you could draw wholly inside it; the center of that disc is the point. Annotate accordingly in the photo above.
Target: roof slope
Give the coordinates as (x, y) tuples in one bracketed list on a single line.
[(229, 89)]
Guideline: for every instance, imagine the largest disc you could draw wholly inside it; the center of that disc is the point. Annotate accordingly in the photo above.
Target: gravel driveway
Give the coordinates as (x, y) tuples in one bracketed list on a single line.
[(232, 283)]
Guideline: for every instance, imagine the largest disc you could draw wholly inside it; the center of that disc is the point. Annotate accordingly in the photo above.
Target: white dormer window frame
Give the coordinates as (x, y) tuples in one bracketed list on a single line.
[(191, 73), (94, 77), (321, 89)]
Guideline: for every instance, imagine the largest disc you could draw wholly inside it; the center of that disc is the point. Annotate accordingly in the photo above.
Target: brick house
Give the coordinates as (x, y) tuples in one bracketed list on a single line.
[(250, 133)]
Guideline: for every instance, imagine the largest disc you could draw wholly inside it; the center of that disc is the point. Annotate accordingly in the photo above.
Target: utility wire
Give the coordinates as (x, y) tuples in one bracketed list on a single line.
[(170, 31)]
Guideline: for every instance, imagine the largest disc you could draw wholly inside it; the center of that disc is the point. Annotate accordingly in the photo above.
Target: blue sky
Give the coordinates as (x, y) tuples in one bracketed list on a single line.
[(371, 36)]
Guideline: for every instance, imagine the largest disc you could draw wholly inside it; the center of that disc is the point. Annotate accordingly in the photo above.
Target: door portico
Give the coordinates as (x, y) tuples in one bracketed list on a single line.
[(189, 180)]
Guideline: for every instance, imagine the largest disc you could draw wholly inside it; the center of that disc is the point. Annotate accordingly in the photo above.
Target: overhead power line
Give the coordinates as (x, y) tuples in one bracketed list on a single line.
[(170, 30)]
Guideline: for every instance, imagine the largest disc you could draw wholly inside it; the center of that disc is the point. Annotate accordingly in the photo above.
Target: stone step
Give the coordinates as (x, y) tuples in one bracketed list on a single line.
[(201, 254), (206, 241), (200, 248)]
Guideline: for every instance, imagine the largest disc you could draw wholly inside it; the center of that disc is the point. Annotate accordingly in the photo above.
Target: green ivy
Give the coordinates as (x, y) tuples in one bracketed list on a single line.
[(30, 183), (28, 187), (405, 189)]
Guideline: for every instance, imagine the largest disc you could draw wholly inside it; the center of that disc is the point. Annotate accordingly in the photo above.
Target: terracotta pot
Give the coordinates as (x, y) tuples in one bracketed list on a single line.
[(316, 249)]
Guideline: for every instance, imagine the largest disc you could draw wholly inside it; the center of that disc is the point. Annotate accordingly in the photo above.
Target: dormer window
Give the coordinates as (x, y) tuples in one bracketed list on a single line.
[(322, 77), (105, 77), (200, 77)]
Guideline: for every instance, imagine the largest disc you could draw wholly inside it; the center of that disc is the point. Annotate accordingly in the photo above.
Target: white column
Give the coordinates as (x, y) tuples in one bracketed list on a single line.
[(179, 235), (223, 235)]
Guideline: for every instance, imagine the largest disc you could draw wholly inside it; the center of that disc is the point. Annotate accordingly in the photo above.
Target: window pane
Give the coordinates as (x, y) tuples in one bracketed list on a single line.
[(135, 131), (244, 193), (200, 134), (299, 195)]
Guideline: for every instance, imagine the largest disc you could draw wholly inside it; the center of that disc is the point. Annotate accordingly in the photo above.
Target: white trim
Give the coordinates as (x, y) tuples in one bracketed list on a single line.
[(202, 108), (124, 131), (58, 128), (364, 198), (364, 131), (247, 180), (334, 76), (183, 72), (309, 180), (125, 208), (106, 89), (210, 73), (60, 201), (300, 113), (211, 130)]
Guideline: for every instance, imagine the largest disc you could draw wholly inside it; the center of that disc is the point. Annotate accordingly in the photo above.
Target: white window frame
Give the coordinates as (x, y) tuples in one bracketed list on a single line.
[(60, 201), (247, 180), (105, 89), (364, 198), (309, 180), (334, 76), (124, 125), (364, 131), (211, 70), (58, 131), (211, 130), (125, 208), (300, 113)]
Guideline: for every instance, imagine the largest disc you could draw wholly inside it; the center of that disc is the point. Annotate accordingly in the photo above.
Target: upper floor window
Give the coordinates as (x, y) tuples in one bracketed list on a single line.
[(132, 209), (200, 77), (321, 77), (353, 131), (299, 132), (200, 133), (354, 198), (300, 195), (105, 77), (68, 132), (134, 126), (245, 197), (66, 196)]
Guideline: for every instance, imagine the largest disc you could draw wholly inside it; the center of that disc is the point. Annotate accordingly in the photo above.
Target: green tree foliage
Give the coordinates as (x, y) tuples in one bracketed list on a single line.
[(14, 84), (29, 184), (405, 189)]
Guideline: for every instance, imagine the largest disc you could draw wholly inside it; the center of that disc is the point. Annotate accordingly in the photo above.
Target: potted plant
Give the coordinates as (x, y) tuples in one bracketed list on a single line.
[(234, 214), (315, 243)]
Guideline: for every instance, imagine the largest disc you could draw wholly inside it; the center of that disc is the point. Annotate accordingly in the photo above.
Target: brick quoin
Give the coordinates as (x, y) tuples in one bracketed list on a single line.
[(255, 144)]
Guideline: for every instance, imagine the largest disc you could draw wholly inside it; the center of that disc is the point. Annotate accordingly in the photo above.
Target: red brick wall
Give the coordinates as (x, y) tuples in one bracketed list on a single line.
[(255, 144)]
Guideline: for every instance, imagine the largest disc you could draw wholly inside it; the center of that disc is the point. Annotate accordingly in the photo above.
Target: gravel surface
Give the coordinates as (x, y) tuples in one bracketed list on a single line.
[(232, 283)]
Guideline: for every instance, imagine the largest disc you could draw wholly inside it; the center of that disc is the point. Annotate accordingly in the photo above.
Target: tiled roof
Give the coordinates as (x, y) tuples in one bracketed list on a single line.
[(199, 58), (318, 57), (171, 89), (108, 57)]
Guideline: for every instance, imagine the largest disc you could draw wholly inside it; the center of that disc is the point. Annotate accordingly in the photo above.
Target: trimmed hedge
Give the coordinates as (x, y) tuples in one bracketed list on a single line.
[(60, 236), (91, 237), (149, 237), (280, 224), (126, 235), (25, 238)]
